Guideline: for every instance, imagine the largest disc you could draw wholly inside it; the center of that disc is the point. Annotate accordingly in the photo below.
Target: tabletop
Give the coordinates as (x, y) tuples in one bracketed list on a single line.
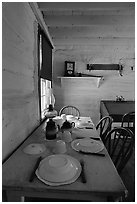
[(103, 180)]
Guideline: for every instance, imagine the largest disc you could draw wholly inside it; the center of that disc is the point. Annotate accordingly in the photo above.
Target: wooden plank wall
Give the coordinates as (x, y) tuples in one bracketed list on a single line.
[(94, 36), (84, 94), (19, 77)]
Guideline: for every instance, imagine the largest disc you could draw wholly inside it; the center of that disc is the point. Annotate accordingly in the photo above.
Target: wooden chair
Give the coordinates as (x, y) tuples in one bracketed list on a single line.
[(119, 143), (70, 110), (128, 121), (105, 126)]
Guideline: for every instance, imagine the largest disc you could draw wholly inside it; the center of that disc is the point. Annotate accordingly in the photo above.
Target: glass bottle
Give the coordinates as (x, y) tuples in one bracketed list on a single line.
[(51, 130)]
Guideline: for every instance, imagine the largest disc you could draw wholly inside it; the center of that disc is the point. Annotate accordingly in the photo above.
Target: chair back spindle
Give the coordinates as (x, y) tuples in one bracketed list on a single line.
[(105, 126), (70, 110), (120, 143), (128, 121)]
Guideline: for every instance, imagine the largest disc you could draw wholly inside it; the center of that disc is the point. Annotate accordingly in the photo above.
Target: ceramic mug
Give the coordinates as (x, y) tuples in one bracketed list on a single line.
[(60, 147), (66, 136), (63, 116), (58, 120)]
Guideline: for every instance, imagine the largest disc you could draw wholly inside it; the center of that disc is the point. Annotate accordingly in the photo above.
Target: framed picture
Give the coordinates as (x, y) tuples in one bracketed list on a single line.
[(69, 68)]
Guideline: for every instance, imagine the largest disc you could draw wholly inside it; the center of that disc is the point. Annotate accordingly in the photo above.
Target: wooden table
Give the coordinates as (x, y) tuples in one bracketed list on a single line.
[(103, 181), (116, 109)]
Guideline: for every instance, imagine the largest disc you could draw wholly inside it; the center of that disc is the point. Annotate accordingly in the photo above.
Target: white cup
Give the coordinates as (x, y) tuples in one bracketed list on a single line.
[(63, 116), (58, 120), (60, 147), (66, 136)]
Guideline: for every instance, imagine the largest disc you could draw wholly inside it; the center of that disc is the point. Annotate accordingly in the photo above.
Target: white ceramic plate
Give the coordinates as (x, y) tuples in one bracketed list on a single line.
[(54, 170), (84, 125), (34, 148), (71, 118), (87, 145)]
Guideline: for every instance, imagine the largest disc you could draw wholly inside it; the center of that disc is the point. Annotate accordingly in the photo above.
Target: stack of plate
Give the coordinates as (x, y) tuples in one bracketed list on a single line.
[(58, 170)]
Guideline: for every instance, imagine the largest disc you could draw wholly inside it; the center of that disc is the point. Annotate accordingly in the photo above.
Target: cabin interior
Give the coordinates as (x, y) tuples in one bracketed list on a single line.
[(86, 33)]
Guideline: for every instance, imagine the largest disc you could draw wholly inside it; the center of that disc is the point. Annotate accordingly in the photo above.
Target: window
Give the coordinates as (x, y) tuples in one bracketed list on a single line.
[(45, 72), (45, 85)]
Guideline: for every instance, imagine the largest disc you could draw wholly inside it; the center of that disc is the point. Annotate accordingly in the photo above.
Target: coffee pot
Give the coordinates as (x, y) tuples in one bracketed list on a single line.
[(67, 126), (51, 130)]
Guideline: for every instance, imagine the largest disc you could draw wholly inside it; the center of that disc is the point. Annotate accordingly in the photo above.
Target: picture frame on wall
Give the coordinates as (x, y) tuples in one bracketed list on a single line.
[(69, 68)]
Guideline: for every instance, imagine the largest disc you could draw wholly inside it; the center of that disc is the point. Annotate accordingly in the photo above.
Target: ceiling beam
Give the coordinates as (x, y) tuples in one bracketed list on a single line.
[(40, 20), (88, 48), (85, 5), (89, 20), (129, 11), (92, 31), (94, 41)]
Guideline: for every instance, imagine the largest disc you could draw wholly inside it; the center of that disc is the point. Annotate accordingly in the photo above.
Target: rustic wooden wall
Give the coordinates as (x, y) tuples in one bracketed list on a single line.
[(19, 77), (101, 36), (84, 94)]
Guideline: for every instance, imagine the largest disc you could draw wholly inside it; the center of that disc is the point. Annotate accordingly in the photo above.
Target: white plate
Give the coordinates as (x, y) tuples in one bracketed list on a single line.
[(71, 118), (34, 148), (83, 124), (55, 177), (87, 145)]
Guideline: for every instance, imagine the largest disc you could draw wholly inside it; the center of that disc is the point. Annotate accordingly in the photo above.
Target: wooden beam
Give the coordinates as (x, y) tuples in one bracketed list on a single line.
[(89, 20), (94, 41), (94, 55), (40, 19), (92, 48), (127, 12), (93, 31), (85, 5)]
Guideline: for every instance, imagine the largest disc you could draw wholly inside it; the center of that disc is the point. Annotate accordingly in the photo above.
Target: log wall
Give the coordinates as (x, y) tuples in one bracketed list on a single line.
[(19, 75)]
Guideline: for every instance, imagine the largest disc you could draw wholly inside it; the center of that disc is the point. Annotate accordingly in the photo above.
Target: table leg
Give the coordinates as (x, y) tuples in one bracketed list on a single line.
[(13, 196)]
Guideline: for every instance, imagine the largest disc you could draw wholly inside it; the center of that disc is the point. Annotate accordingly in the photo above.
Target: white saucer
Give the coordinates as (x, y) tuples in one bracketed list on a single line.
[(34, 148), (60, 174), (87, 145)]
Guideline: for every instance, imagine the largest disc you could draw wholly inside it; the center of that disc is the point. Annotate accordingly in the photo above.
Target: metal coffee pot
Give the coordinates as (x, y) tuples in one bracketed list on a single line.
[(67, 126)]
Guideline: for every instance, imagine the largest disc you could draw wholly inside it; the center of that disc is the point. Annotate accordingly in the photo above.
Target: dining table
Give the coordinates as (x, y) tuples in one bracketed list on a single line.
[(103, 183)]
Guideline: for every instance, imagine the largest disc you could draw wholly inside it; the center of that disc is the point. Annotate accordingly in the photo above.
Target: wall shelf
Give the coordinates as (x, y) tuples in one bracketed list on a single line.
[(98, 79)]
